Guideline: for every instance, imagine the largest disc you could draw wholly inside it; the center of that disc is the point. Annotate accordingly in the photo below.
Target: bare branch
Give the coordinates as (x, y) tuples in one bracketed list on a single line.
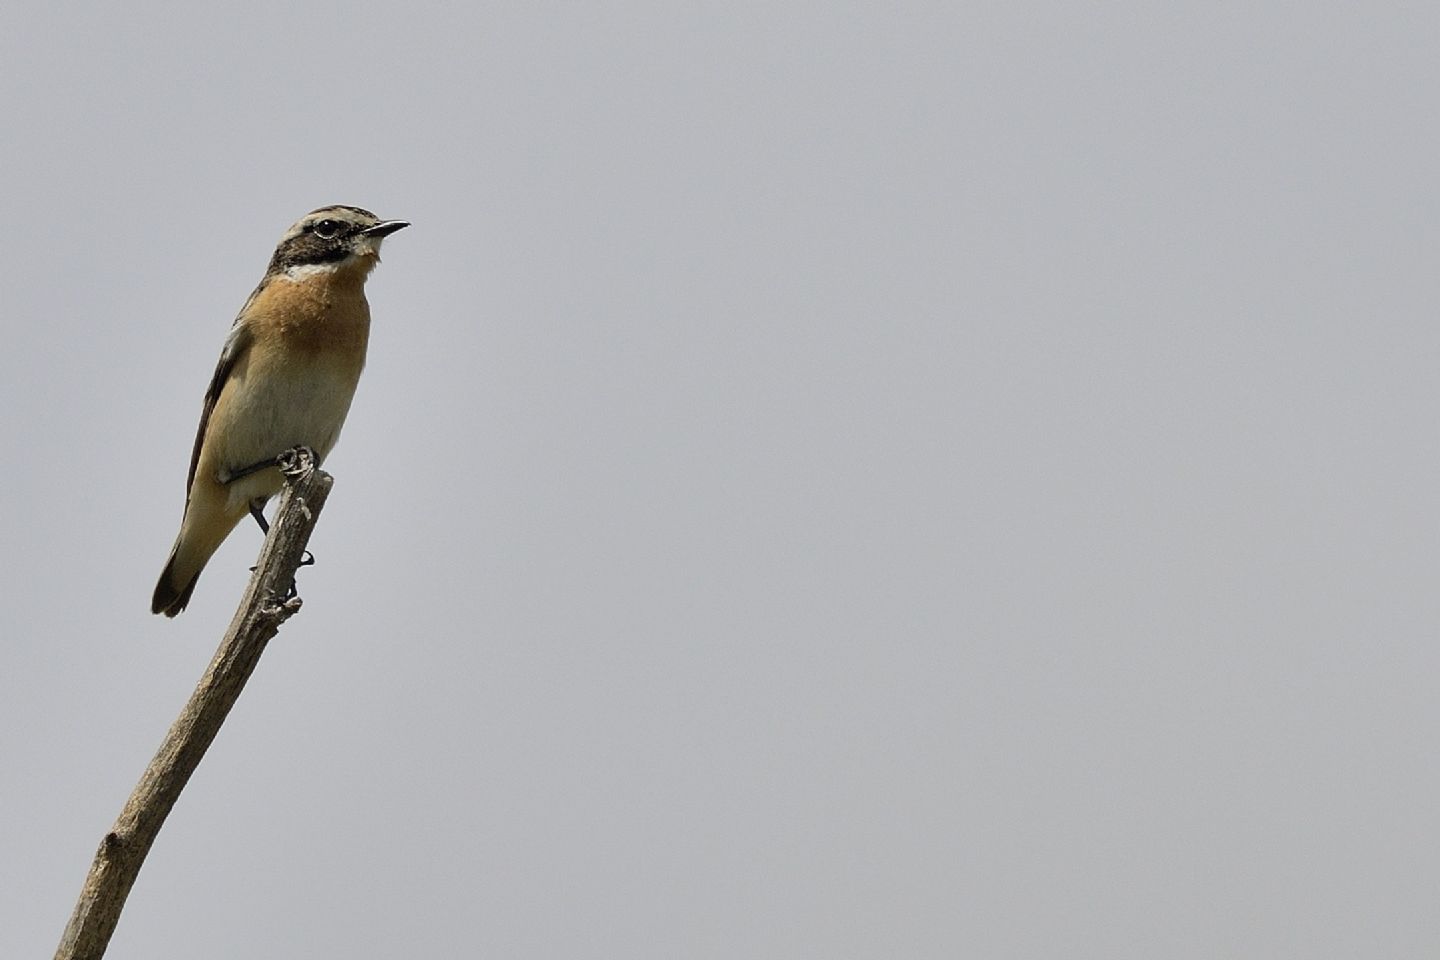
[(263, 609)]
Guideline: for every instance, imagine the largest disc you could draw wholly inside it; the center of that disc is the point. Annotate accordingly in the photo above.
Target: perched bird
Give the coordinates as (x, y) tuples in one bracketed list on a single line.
[(285, 379)]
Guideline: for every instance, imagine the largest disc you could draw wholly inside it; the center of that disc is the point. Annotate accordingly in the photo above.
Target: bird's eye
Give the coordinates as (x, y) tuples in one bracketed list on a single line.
[(328, 229)]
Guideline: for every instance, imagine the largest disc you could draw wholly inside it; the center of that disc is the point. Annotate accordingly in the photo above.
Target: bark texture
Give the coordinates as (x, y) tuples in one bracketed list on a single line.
[(265, 606)]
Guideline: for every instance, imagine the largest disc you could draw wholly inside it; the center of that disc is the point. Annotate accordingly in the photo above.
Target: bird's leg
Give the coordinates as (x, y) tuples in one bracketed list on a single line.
[(295, 461), (256, 507), (230, 476)]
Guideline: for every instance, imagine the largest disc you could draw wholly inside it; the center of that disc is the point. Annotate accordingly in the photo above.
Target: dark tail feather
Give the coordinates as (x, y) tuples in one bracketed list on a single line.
[(171, 597)]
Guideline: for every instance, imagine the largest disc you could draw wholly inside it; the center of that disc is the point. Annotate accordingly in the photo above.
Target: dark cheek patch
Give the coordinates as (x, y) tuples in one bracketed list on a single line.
[(305, 250)]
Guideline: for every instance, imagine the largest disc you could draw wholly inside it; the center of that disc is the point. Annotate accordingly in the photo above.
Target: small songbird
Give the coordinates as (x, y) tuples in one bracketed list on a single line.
[(285, 379)]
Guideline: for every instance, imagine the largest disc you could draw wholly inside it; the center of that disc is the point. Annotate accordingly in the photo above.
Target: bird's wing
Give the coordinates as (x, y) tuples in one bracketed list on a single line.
[(235, 346)]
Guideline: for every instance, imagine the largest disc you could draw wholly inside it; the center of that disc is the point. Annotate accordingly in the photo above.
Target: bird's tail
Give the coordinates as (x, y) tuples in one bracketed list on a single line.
[(201, 534), (177, 582)]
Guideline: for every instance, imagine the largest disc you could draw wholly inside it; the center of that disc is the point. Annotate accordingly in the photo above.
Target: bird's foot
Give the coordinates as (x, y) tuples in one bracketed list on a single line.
[(297, 462), (294, 463)]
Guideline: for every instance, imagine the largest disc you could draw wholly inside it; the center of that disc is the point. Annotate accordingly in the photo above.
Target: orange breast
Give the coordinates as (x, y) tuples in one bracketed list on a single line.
[(324, 313)]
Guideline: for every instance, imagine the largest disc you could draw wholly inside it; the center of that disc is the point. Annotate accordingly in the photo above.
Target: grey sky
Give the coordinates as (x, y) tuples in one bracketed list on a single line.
[(908, 480)]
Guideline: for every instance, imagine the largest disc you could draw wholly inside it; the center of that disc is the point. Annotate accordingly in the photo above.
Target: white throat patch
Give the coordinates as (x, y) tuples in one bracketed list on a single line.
[(302, 271)]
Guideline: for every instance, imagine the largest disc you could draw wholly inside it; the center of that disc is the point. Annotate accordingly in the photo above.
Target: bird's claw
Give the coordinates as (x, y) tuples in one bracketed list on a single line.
[(297, 462)]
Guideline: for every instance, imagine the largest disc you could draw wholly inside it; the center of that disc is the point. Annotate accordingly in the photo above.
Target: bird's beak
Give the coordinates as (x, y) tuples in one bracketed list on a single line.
[(385, 228)]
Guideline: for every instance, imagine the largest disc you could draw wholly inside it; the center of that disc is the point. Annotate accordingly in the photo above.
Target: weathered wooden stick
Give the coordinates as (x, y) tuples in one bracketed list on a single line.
[(266, 605)]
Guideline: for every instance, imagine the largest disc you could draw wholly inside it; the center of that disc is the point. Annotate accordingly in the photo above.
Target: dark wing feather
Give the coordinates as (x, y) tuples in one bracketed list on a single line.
[(235, 346)]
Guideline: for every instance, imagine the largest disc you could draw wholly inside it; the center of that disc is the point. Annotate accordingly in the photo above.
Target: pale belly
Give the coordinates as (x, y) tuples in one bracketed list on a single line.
[(268, 409)]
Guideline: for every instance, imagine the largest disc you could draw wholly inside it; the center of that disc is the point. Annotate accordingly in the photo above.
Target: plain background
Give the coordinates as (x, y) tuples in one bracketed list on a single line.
[(832, 480)]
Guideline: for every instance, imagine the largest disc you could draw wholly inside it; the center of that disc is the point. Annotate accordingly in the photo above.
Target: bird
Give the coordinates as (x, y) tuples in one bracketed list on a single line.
[(286, 376)]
